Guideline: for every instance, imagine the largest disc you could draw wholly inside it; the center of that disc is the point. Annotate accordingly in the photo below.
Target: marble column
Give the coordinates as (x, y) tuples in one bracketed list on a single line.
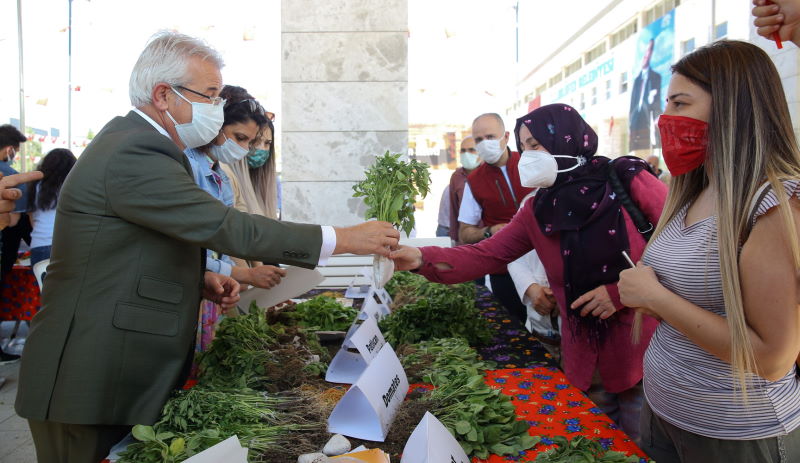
[(344, 101)]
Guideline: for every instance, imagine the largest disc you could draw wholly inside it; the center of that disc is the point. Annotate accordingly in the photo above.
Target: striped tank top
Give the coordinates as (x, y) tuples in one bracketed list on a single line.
[(684, 384)]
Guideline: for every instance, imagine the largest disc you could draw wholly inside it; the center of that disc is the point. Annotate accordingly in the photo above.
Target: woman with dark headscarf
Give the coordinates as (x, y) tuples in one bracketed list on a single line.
[(579, 228)]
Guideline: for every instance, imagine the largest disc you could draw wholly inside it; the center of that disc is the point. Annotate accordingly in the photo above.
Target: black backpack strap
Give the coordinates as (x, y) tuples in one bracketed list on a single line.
[(644, 226)]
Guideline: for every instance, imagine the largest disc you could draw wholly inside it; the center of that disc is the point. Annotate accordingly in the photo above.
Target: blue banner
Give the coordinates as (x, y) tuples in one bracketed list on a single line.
[(650, 80)]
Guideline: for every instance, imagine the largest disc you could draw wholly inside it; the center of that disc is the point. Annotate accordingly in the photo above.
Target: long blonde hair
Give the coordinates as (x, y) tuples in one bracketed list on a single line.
[(751, 141), (259, 187)]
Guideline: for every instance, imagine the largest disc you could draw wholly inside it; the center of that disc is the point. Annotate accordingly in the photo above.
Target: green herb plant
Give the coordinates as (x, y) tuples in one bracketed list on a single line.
[(167, 447), (437, 360), (581, 449), (253, 351), (483, 420), (391, 188), (425, 310), (324, 313)]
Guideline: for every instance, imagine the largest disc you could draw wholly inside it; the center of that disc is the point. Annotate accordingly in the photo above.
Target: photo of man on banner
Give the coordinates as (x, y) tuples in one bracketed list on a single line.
[(654, 51)]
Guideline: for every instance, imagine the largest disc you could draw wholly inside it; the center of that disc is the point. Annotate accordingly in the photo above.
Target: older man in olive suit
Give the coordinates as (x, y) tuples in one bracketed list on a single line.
[(120, 306)]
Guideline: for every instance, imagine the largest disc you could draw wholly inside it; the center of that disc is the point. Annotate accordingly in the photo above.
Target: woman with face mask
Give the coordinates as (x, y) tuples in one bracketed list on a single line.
[(721, 270), (254, 178), (244, 120), (579, 228)]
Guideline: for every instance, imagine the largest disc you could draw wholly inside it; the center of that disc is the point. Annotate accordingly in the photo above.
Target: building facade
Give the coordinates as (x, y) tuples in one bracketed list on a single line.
[(615, 69)]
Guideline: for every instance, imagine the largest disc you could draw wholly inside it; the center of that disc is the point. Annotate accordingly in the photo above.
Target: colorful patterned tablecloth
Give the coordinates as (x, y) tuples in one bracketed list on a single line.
[(539, 390), (512, 346), (19, 295), (553, 407)]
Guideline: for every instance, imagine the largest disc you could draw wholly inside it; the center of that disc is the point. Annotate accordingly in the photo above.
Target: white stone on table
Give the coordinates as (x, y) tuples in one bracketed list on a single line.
[(313, 458), (338, 445)]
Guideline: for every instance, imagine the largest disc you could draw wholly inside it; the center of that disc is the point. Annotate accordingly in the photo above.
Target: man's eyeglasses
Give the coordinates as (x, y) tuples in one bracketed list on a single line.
[(470, 150), (215, 100)]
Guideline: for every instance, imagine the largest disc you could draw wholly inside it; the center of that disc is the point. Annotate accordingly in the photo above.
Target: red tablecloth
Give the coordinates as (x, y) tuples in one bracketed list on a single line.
[(554, 407), (19, 295)]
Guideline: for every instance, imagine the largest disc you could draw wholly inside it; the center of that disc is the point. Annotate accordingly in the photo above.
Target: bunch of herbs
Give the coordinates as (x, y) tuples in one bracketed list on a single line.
[(581, 449), (437, 360), (483, 420), (324, 313), (432, 311), (391, 188), (254, 351)]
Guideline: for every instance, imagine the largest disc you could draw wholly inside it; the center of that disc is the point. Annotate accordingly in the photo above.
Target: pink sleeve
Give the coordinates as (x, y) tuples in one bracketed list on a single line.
[(486, 257), (649, 193)]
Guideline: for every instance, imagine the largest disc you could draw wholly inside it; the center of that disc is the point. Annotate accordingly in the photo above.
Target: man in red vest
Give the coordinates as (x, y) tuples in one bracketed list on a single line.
[(492, 196), (469, 161)]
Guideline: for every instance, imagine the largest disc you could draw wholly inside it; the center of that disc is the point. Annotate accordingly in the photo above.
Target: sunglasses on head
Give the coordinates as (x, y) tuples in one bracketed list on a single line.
[(255, 107)]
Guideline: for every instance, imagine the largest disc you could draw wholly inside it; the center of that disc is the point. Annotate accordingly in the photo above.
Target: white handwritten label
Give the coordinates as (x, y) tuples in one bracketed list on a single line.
[(358, 351), (369, 407), (431, 442)]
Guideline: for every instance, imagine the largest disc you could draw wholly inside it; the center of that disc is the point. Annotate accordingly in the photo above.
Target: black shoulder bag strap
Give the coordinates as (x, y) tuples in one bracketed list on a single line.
[(644, 226)]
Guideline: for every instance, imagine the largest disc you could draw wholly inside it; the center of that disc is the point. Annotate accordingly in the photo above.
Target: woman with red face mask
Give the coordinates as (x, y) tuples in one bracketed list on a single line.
[(721, 270)]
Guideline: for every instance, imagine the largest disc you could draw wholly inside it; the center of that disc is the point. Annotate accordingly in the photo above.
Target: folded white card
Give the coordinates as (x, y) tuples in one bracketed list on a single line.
[(347, 365), (229, 451), (431, 442), (369, 407)]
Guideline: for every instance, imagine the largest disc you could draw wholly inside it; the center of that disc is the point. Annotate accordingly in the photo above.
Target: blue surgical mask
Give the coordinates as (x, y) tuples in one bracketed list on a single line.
[(257, 158), (229, 152)]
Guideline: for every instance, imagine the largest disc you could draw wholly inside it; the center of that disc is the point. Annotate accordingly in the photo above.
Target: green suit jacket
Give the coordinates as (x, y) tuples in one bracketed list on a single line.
[(119, 311)]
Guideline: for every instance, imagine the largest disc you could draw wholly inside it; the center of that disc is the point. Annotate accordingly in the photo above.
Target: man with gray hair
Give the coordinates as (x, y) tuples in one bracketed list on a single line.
[(119, 313)]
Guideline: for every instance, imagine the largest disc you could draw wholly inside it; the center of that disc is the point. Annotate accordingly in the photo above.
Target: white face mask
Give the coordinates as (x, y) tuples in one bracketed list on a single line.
[(489, 151), (538, 169), (229, 152), (470, 160), (206, 122)]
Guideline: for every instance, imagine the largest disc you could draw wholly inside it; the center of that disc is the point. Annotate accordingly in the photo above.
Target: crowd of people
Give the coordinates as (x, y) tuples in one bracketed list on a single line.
[(670, 298), (678, 304)]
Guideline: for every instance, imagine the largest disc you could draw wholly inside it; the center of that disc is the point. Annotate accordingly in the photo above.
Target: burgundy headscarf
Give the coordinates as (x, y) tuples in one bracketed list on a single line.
[(581, 206)]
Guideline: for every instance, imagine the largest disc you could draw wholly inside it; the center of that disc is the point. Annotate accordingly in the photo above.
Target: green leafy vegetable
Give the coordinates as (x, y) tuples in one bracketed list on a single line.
[(261, 350), (436, 360), (391, 189), (581, 449), (423, 310), (324, 313), (482, 419), (167, 447)]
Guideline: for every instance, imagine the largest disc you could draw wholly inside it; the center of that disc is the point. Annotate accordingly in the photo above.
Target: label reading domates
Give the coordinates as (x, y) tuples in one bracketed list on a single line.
[(368, 408)]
